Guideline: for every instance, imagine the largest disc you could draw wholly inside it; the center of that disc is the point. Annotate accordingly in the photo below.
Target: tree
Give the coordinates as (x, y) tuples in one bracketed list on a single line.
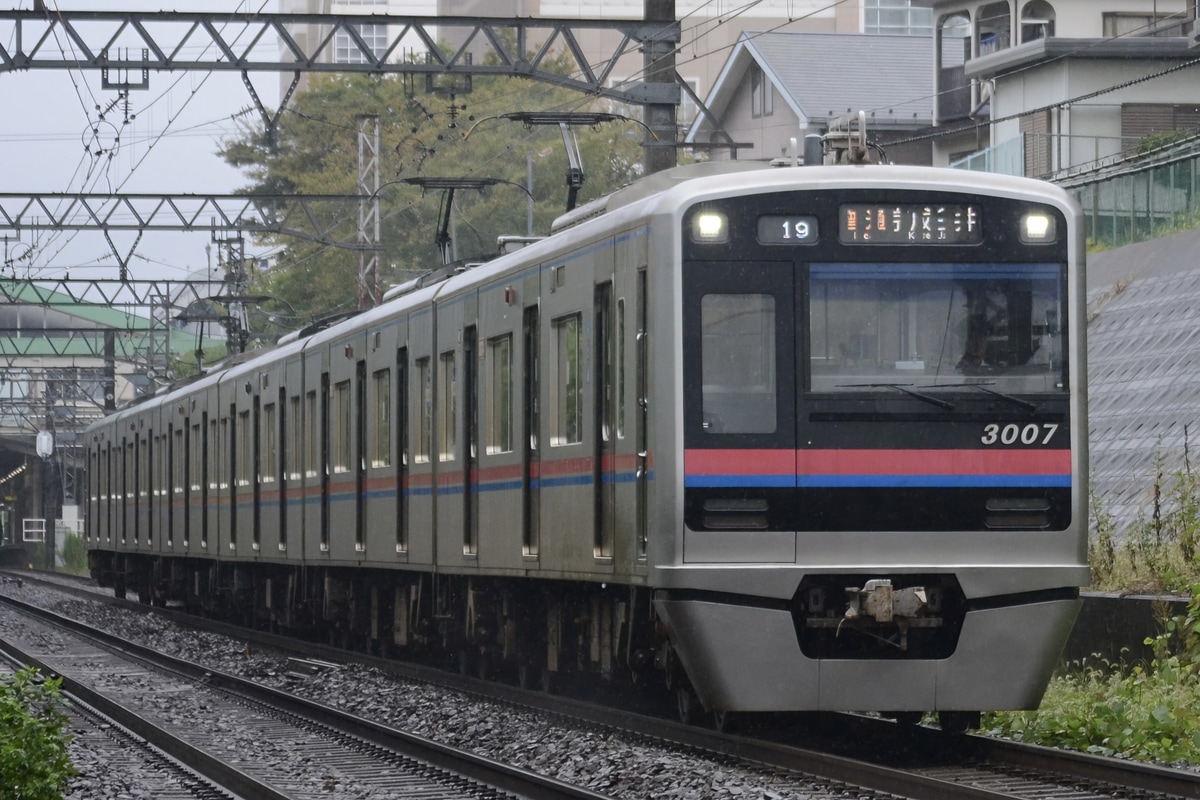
[(426, 135)]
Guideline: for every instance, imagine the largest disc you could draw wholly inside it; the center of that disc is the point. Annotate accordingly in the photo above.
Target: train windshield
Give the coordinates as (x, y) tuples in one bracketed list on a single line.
[(934, 324)]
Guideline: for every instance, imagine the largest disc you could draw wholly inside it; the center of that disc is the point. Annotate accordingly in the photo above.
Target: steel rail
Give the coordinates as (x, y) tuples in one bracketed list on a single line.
[(460, 762)]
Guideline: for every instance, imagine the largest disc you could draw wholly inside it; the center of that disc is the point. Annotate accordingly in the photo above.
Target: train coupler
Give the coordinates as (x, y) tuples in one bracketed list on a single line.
[(878, 600)]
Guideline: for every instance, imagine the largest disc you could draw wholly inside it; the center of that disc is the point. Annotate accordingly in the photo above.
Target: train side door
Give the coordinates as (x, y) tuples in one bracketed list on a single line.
[(739, 411), (291, 459), (531, 430), (604, 475)]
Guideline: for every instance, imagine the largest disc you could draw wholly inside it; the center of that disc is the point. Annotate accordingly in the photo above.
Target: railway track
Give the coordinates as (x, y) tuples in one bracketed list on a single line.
[(252, 741), (881, 756)]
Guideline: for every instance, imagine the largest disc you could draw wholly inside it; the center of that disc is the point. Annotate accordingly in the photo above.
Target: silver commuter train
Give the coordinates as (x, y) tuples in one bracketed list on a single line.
[(782, 438)]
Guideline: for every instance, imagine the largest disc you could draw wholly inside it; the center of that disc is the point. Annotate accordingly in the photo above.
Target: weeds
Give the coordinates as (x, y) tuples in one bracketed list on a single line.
[(1150, 712), (1157, 554)]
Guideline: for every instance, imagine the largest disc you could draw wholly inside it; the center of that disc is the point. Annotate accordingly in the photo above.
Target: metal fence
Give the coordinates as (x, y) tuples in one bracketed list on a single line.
[(1125, 198), (1142, 202)]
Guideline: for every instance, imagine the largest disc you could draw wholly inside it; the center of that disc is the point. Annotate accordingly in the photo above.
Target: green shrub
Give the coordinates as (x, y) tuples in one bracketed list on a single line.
[(1151, 712), (34, 764)]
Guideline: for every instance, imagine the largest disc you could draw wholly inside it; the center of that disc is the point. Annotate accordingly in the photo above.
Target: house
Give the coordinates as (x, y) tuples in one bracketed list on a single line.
[(779, 87), (1046, 88), (708, 30)]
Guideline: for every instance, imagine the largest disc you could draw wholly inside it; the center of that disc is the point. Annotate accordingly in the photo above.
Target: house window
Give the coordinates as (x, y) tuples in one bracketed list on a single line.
[(687, 106), (762, 94), (375, 37), (1118, 23), (896, 18)]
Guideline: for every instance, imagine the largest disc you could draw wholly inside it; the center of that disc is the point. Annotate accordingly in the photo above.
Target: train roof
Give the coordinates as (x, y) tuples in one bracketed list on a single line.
[(651, 185)]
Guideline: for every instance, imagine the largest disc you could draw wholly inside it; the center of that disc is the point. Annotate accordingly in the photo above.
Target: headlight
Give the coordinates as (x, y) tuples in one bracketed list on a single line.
[(710, 227), (1037, 228)]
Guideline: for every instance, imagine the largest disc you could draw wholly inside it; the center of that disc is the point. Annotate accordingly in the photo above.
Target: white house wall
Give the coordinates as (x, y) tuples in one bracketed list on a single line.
[(1092, 127), (1084, 19), (769, 135)]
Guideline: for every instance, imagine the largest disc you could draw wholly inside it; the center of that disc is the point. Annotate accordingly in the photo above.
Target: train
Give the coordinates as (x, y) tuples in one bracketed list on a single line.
[(765, 438)]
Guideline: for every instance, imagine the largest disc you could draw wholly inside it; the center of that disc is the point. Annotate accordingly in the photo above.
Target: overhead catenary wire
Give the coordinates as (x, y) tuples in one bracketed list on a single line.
[(92, 176), (699, 29)]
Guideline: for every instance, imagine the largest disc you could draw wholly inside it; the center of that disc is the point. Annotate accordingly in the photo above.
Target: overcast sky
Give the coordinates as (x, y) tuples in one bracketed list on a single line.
[(53, 139)]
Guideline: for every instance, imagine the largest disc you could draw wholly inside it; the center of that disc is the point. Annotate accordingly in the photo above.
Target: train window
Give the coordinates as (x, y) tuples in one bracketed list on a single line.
[(381, 439), (267, 456), (448, 408), (178, 454), (943, 324), (310, 428), (244, 450), (621, 368), (566, 412), (128, 470), (292, 430), (341, 427), (499, 411), (222, 465), (143, 468), (197, 455), (211, 457), (161, 464), (738, 363), (425, 410)]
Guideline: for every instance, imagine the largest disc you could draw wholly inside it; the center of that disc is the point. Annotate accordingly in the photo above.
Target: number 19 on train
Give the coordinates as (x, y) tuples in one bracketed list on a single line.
[(780, 229)]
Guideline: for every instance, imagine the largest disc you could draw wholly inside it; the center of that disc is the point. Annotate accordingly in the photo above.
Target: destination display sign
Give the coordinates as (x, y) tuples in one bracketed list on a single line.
[(909, 223)]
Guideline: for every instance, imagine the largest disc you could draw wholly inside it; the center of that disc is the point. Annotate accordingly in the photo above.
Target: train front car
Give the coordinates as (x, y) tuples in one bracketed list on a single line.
[(881, 441)]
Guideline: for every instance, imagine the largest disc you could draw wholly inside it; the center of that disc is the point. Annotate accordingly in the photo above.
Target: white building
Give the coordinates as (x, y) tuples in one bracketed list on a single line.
[(1049, 87)]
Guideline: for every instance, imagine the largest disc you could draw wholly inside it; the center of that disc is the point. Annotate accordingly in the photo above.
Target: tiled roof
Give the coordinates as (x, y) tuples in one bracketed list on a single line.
[(822, 75), (828, 74)]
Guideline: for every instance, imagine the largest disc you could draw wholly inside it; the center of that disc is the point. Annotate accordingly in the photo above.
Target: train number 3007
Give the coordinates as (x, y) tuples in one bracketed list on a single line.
[(1031, 433)]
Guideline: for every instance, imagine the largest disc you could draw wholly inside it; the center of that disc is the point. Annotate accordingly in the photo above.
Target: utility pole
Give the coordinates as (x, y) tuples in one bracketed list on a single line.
[(369, 254), (659, 60)]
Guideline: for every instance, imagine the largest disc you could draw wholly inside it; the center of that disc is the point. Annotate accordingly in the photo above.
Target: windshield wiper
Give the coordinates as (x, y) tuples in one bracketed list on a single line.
[(1025, 404), (904, 388)]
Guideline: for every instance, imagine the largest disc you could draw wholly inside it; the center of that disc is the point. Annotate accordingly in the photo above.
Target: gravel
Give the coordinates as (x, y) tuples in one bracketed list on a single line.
[(606, 761)]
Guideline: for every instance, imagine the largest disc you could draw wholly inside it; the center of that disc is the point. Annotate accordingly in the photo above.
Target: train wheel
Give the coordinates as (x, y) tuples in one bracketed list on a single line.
[(525, 673), (688, 705), (726, 721), (958, 722), (483, 664)]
